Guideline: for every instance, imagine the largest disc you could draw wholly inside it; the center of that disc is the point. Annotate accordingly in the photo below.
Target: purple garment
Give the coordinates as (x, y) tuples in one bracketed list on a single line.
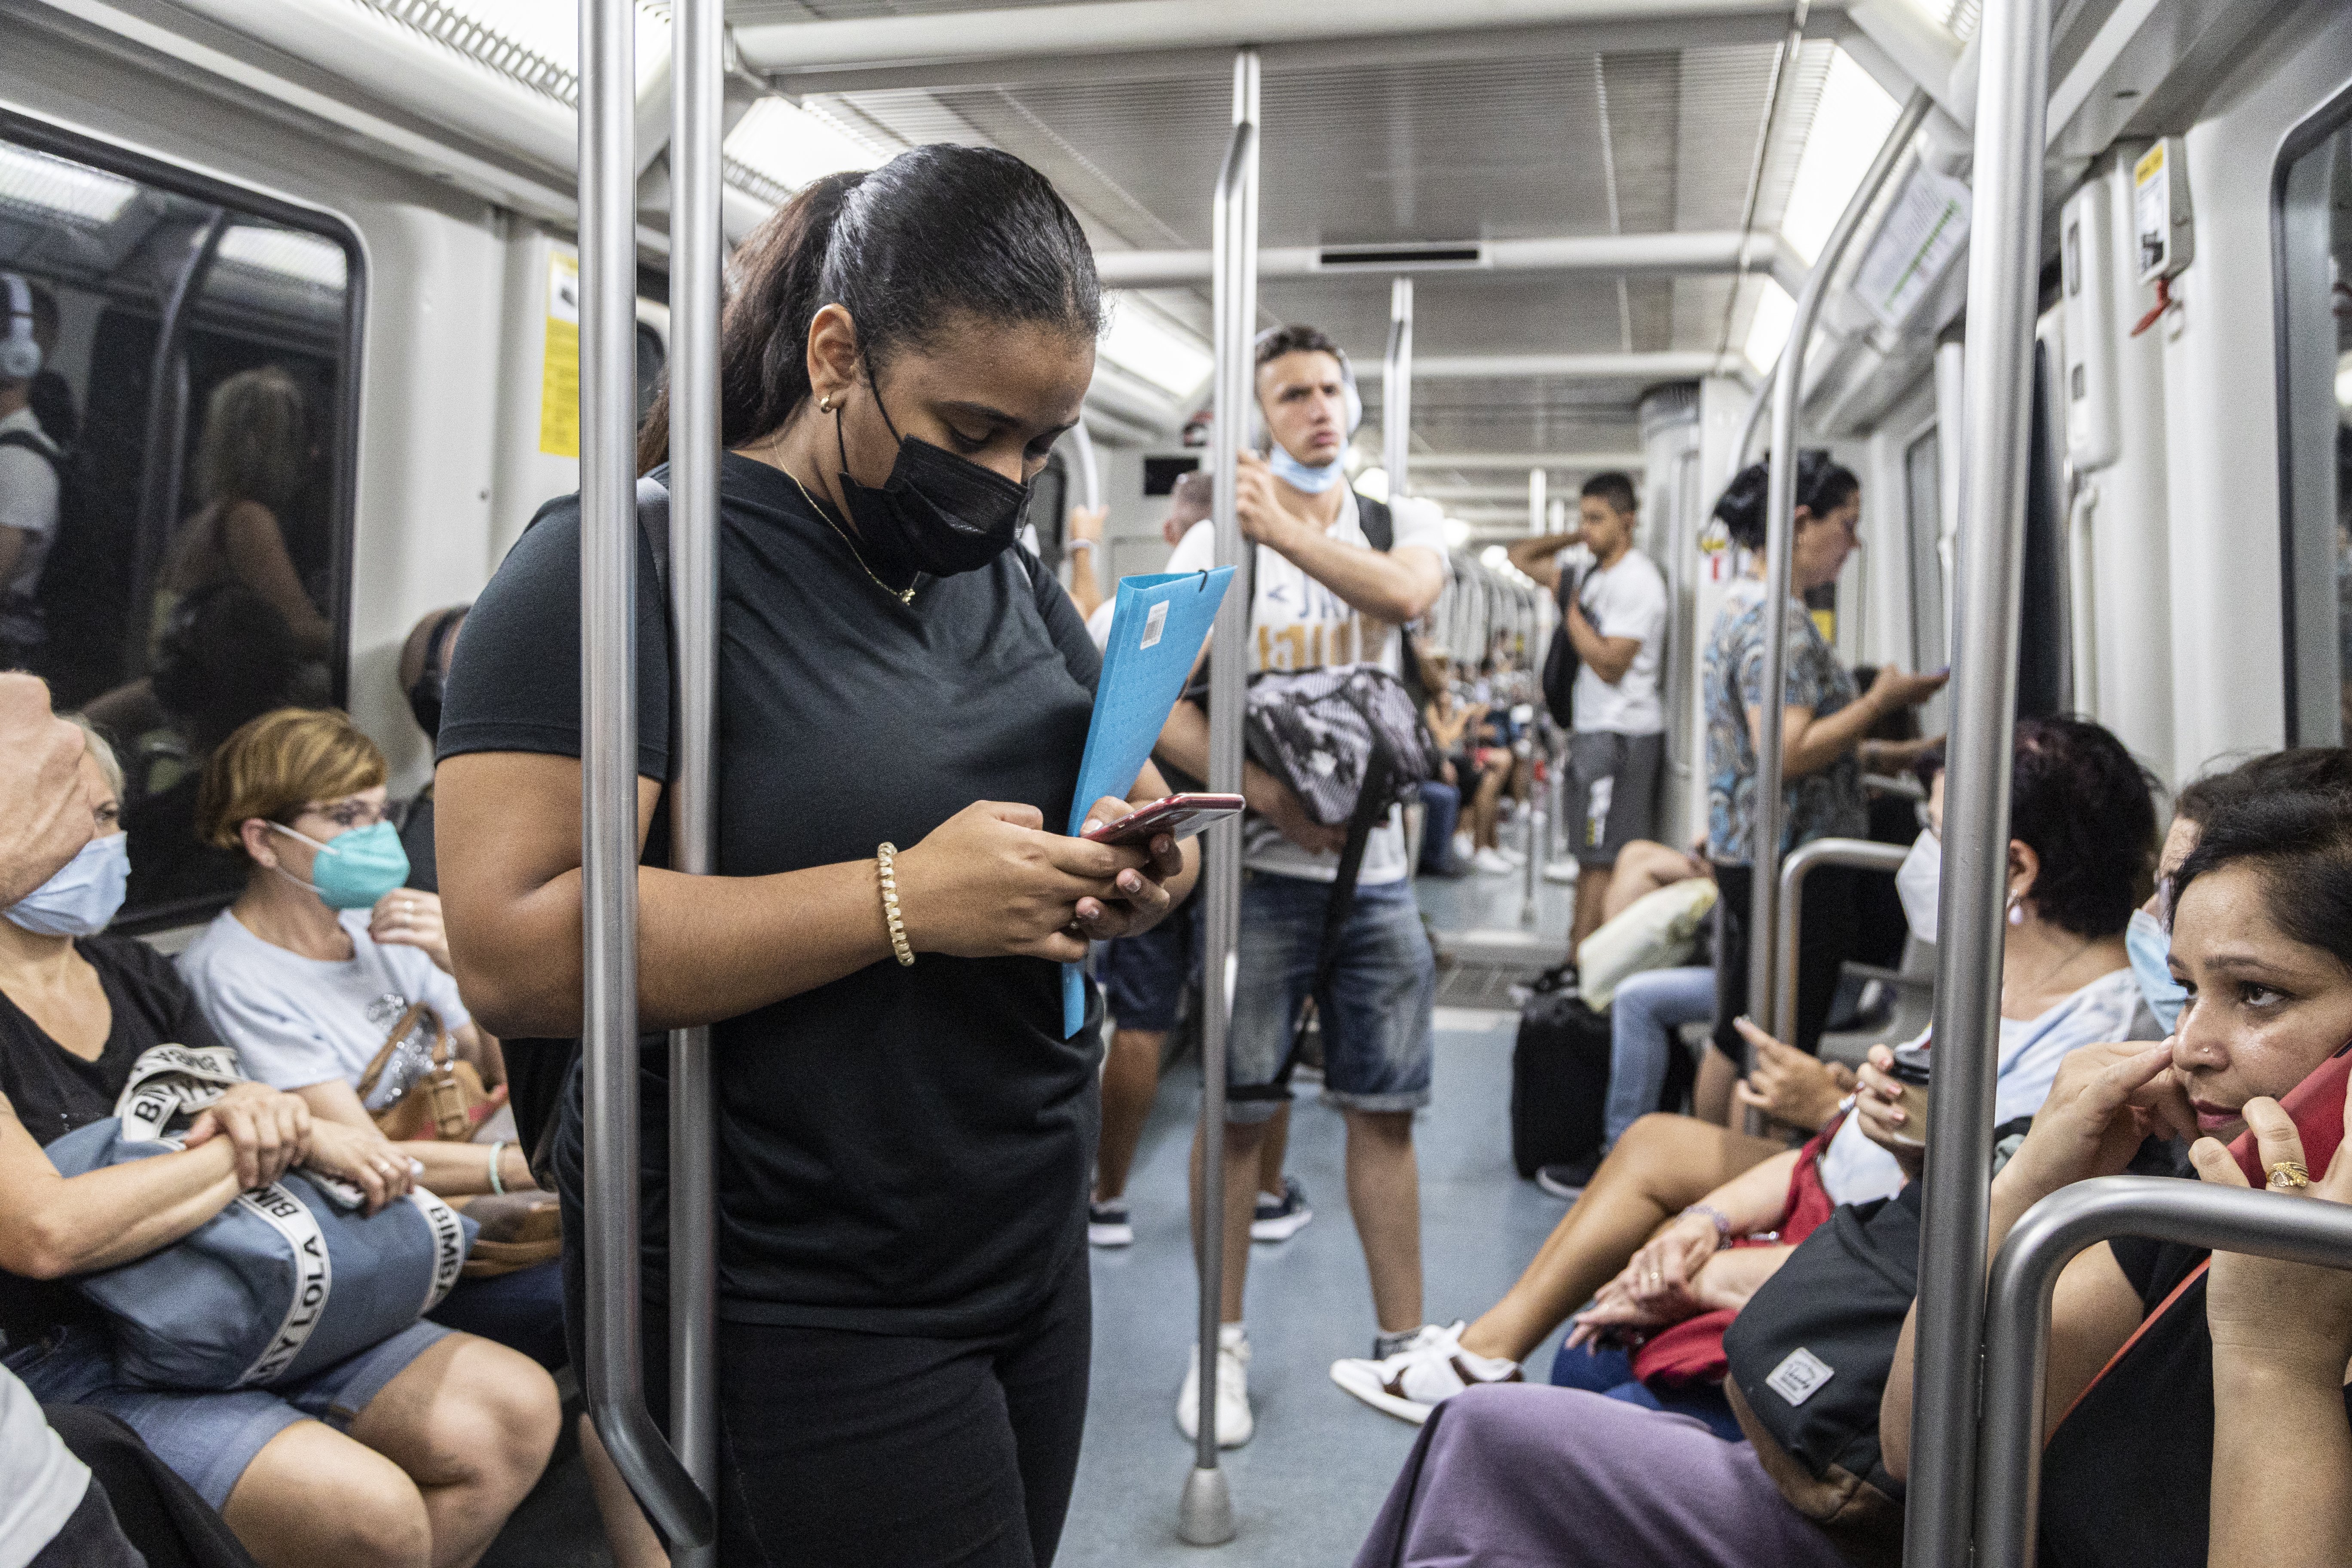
[(1519, 1476)]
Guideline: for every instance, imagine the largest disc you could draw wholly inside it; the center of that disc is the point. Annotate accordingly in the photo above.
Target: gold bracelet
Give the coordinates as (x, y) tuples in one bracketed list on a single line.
[(886, 864)]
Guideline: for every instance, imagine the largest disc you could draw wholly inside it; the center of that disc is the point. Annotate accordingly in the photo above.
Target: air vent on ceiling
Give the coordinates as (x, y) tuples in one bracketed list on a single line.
[(1398, 257)]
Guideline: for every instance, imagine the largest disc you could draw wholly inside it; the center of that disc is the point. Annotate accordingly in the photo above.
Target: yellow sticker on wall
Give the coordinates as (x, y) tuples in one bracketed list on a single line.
[(558, 375)]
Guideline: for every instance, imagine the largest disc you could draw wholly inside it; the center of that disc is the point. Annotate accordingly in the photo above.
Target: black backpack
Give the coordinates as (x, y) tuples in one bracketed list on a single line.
[(1560, 1075), (1560, 660)]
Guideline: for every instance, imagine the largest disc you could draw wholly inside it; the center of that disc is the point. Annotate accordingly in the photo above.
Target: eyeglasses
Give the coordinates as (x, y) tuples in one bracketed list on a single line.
[(346, 815)]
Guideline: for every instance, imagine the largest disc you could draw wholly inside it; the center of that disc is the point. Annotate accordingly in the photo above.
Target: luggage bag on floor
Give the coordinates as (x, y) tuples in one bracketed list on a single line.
[(1560, 1080)]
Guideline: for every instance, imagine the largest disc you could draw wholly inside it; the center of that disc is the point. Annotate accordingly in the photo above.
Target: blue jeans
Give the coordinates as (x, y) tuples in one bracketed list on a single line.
[(1375, 1016), (1642, 1016), (1441, 809), (1608, 1372)]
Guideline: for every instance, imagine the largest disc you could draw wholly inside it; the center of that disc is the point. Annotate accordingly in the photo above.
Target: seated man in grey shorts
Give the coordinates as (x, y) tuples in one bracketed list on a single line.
[(1616, 617)]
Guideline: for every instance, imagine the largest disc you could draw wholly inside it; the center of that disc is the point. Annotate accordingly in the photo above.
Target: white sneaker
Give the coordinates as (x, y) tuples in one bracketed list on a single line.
[(1492, 863), (1432, 1368), (1562, 870), (1108, 1224), (1518, 857), (1464, 846), (1235, 1421)]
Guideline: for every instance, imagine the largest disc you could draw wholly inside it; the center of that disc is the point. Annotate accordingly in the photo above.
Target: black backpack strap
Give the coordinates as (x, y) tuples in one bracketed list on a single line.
[(1378, 522), (24, 440), (1371, 804)]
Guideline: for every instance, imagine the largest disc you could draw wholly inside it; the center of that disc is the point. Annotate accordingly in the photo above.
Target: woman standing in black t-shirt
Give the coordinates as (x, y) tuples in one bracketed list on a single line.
[(904, 1132), (2238, 1384)]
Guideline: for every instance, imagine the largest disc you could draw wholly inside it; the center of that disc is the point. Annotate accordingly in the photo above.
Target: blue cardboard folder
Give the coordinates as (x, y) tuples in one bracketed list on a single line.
[(1156, 633)]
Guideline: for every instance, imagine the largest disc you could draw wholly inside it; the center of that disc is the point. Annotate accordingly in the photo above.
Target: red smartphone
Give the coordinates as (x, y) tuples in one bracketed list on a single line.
[(1182, 816)]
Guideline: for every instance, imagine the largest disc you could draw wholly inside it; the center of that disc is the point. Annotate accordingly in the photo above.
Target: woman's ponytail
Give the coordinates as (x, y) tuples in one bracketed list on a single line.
[(779, 274)]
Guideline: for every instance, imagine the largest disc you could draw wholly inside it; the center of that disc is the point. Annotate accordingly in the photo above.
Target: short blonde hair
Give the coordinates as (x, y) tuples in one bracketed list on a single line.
[(102, 751), (272, 766)]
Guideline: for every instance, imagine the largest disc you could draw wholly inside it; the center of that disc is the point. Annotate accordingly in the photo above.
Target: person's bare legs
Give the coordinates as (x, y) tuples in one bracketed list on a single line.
[(1384, 1194), (1130, 1080), (1487, 807), (1661, 1165), (1272, 1152), (426, 1478), (1591, 900), (1244, 1141), (632, 1539), (1711, 1096), (1643, 867)]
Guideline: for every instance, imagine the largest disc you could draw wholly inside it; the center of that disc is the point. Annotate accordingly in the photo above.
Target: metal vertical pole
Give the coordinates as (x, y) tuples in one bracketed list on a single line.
[(1205, 1516), (696, 255), (1396, 391), (608, 771), (1089, 466), (2004, 274), (1781, 531)]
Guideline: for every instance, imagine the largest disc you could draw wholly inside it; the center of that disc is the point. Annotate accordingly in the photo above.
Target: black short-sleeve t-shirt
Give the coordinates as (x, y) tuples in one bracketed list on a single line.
[(904, 1150), (54, 1091), (2126, 1479)]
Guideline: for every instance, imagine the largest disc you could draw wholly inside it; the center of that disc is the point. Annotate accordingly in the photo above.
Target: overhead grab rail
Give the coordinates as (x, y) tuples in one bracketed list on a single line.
[(698, 253), (1862, 854), (608, 681), (2004, 273), (1206, 1514), (2016, 1315), (1781, 505)]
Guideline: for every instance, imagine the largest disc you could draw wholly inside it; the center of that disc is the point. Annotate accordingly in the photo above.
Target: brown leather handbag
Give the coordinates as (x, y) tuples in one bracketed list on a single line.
[(441, 1105), (446, 1104)]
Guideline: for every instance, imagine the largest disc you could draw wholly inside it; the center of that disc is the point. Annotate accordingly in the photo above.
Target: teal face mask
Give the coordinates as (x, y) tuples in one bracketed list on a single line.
[(353, 870), (1302, 477), (2150, 946)]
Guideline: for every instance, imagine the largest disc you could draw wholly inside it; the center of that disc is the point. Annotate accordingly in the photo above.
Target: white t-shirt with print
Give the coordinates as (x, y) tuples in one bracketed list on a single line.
[(41, 1483), (1627, 600), (1854, 1170), (1297, 624), (28, 499), (296, 1021)]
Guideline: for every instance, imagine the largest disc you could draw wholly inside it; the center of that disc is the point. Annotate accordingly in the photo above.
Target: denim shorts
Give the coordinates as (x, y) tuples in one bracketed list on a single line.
[(1143, 976), (1375, 1018), (209, 1438)]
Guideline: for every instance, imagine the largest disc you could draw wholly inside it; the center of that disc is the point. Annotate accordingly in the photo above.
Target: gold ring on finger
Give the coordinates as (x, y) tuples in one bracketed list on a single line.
[(2288, 1176)]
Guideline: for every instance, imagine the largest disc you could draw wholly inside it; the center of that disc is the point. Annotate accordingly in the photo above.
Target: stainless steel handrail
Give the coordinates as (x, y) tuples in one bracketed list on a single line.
[(1864, 854), (1082, 442), (1780, 528), (2004, 272), (1206, 1514), (698, 252), (167, 435), (2017, 1316), (608, 848), (1396, 390)]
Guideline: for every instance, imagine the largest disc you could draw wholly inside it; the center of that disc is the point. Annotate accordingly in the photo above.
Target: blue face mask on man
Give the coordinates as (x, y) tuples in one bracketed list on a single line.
[(353, 870), (82, 897), (2150, 946), (1301, 477)]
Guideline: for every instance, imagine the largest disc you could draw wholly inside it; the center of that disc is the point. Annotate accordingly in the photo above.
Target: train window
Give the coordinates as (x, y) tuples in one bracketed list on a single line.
[(2312, 232), (1924, 510), (182, 452)]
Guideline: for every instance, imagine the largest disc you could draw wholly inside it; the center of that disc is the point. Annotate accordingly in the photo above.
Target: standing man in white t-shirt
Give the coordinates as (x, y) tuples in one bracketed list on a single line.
[(29, 461), (1617, 622), (1336, 577)]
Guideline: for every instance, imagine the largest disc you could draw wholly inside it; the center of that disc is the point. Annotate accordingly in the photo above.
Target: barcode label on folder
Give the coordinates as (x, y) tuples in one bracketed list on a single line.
[(1155, 622)]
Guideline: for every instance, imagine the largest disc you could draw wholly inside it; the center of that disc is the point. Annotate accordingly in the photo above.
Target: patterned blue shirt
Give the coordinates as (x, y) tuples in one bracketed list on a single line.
[(1825, 804)]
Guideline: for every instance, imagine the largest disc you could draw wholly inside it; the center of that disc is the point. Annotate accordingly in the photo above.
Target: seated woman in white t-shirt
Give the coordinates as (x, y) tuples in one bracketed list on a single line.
[(1646, 1245), (306, 972)]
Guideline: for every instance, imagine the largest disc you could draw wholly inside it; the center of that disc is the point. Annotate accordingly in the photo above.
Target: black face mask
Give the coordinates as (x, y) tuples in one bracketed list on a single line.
[(937, 513)]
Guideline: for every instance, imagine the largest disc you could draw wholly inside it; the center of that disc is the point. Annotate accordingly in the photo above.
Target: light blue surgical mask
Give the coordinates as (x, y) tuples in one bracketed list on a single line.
[(2150, 946), (81, 898), (1298, 476), (353, 870)]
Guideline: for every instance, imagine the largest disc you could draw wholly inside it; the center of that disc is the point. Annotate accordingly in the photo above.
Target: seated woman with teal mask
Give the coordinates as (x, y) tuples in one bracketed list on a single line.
[(2299, 770)]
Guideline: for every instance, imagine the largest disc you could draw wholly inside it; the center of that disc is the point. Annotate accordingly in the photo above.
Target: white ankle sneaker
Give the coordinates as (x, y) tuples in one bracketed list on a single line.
[(1234, 1420), (1431, 1369)]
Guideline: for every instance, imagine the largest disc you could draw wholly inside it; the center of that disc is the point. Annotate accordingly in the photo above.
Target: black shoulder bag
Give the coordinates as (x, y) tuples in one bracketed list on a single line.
[(1560, 662)]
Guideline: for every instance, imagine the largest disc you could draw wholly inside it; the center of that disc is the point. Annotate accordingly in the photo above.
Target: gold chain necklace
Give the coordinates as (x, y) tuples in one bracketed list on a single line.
[(904, 596)]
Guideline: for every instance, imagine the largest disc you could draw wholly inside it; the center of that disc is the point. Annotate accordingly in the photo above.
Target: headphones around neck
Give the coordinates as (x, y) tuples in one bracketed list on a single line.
[(1347, 384), (20, 355)]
